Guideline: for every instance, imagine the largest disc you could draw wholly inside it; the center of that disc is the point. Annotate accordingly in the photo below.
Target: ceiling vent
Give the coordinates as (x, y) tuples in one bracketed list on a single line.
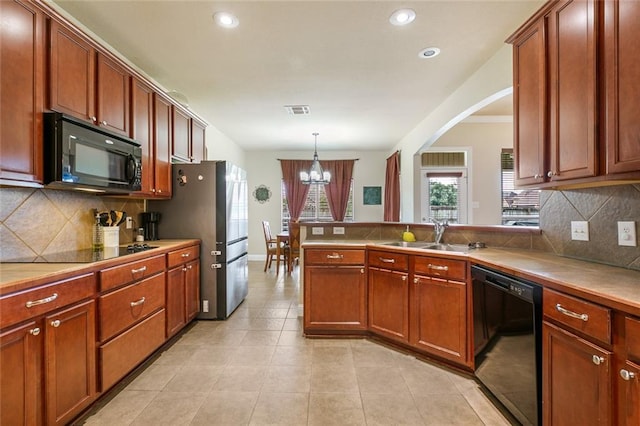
[(297, 109)]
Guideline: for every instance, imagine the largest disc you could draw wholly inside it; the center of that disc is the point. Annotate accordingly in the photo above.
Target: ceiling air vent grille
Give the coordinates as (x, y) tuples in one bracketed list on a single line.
[(297, 109)]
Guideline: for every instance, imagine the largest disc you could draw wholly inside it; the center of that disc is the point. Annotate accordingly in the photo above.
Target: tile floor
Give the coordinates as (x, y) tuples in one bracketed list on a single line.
[(257, 369)]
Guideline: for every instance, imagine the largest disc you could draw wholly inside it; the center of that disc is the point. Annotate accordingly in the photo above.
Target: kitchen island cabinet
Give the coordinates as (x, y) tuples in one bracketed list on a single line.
[(335, 290), (22, 86)]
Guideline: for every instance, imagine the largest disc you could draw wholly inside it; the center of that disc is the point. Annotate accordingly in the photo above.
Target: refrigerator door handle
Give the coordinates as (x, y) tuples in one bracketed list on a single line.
[(216, 265)]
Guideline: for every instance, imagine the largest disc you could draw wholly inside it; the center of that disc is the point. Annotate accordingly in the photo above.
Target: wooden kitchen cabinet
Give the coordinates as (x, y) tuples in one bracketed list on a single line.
[(142, 131), (183, 288), (181, 136), (22, 87), (86, 83), (627, 375), (622, 95), (192, 289), (198, 149), (439, 294), (162, 146), (335, 292), (388, 294)]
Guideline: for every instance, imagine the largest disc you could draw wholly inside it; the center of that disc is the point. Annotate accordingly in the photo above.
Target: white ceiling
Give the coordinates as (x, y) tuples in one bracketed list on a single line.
[(360, 76)]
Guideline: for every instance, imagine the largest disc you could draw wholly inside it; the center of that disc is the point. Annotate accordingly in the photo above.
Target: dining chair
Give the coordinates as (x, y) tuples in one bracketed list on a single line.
[(271, 245), (293, 247)]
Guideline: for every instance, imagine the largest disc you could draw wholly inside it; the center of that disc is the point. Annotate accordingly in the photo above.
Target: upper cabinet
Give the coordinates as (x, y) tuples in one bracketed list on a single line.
[(198, 141), (564, 131), (21, 93), (181, 149), (85, 83)]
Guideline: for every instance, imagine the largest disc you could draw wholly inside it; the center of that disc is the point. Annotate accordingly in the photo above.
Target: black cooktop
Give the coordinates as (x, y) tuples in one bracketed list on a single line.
[(83, 256)]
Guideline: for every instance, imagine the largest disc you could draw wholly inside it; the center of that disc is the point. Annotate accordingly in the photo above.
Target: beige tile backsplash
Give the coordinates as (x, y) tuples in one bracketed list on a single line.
[(41, 221)]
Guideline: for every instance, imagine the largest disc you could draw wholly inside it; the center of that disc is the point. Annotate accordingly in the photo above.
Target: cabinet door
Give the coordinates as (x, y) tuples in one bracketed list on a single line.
[(389, 304), (21, 92), (70, 351), (113, 96), (576, 380), (71, 73), (142, 130), (197, 141), (181, 135), (175, 301), (622, 92), (572, 90), (335, 298), (192, 289), (439, 317), (629, 403), (530, 119), (162, 151), (21, 375)]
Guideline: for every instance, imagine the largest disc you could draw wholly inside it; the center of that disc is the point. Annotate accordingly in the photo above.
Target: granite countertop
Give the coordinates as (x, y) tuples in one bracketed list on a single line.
[(614, 287), (19, 276)]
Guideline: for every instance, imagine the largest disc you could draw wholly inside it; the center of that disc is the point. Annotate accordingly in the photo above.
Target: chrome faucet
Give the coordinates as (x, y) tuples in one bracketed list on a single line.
[(439, 227)]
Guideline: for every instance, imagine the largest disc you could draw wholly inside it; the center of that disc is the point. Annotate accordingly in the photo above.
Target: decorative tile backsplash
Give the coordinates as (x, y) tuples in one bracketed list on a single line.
[(42, 221), (602, 207)]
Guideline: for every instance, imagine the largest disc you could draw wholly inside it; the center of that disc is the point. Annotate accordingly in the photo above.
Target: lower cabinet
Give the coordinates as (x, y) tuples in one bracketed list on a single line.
[(389, 304), (628, 373), (183, 288), (335, 289)]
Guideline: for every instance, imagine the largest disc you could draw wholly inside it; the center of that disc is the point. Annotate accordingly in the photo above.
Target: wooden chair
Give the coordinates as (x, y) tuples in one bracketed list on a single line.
[(293, 247), (271, 246)]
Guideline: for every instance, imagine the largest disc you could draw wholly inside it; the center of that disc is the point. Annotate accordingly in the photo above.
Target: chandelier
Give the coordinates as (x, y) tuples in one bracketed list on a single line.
[(315, 173)]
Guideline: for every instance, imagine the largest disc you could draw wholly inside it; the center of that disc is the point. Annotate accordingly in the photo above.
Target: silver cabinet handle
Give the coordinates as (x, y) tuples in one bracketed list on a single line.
[(55, 323), (583, 317), (159, 191), (104, 123), (93, 118), (184, 269), (416, 280), (438, 267), (551, 174), (404, 278), (335, 256), (185, 254), (362, 270), (49, 299), (190, 267), (597, 360), (627, 375), (537, 176), (383, 260), (137, 302), (135, 271), (36, 331)]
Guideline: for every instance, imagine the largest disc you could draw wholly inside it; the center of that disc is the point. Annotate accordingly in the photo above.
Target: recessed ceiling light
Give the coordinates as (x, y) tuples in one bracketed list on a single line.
[(429, 52), (402, 17), (225, 19)]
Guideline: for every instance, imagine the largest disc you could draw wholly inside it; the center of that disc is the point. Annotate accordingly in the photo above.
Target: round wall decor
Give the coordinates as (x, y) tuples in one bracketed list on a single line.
[(262, 193)]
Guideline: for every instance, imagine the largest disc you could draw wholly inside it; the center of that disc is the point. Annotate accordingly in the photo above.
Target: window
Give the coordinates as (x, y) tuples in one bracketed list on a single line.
[(520, 207), (444, 195), (317, 207)]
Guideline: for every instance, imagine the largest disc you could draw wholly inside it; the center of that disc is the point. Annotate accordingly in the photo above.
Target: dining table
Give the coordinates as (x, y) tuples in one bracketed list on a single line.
[(282, 239)]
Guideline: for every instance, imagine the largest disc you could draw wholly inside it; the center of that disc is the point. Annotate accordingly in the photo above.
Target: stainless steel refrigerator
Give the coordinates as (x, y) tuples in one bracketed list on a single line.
[(210, 202)]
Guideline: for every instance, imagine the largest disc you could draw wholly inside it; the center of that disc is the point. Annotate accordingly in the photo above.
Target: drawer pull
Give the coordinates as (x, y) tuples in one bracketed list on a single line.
[(334, 256), (55, 323), (36, 331), (597, 360), (135, 271), (627, 375), (49, 299), (438, 267), (137, 302), (583, 317), (384, 260), (185, 254)]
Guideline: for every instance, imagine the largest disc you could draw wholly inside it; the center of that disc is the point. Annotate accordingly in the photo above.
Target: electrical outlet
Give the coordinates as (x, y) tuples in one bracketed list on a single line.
[(579, 230), (316, 230), (627, 234), (338, 230), (129, 222), (205, 306)]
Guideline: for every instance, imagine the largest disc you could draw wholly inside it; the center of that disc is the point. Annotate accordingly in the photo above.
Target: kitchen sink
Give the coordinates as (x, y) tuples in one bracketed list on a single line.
[(456, 248), (412, 244)]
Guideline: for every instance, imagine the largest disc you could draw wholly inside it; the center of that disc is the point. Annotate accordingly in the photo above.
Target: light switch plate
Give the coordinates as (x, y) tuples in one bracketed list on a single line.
[(579, 230), (338, 230), (317, 230), (627, 234)]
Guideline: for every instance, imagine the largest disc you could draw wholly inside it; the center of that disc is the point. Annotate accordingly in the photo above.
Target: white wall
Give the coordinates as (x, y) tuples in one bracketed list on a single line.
[(263, 168), (486, 141), (220, 147)]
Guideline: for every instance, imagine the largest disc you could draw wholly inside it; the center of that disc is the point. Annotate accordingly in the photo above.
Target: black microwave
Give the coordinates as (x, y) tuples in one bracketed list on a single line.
[(79, 155)]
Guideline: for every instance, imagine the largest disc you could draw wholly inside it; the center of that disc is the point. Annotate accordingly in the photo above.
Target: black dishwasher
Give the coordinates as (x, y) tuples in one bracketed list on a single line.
[(507, 315)]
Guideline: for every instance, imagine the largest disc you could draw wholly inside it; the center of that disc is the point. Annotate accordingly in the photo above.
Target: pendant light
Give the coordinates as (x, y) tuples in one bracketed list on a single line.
[(315, 174)]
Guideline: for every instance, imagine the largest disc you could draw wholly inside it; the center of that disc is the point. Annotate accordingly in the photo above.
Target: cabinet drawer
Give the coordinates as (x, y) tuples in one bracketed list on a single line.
[(30, 303), (445, 268), (333, 257), (178, 257), (129, 272), (632, 337), (124, 307), (122, 354), (388, 260), (582, 316)]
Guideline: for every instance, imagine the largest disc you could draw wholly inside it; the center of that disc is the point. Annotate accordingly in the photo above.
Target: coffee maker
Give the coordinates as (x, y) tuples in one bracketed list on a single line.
[(150, 225)]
